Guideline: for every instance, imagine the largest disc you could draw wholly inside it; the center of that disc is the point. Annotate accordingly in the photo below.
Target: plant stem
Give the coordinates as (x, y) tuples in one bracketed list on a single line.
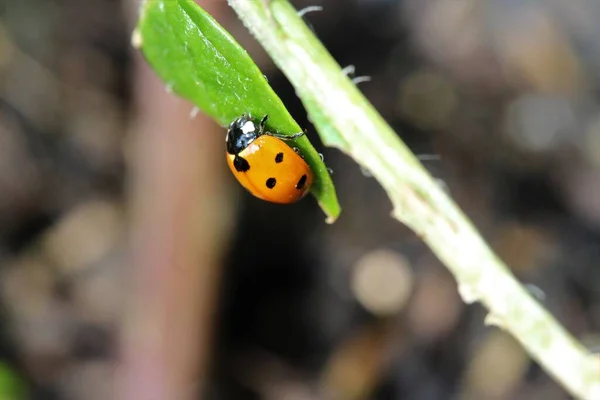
[(346, 120)]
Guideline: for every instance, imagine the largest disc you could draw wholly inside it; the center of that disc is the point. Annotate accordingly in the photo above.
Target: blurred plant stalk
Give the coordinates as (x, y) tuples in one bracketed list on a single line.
[(181, 213)]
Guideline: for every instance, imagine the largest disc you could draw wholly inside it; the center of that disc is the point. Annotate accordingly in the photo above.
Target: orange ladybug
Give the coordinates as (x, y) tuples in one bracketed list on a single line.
[(264, 164)]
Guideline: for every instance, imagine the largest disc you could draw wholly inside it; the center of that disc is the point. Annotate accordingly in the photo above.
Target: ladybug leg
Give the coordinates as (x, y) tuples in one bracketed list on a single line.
[(297, 151), (288, 137)]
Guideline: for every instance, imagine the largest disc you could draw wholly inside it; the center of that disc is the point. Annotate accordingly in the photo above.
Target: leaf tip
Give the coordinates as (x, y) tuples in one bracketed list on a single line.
[(332, 212)]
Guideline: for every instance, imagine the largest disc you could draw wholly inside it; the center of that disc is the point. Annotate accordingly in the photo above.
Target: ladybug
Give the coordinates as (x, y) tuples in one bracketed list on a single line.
[(264, 164)]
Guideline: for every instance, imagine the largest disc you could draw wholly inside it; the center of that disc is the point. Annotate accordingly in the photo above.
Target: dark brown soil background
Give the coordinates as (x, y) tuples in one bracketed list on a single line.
[(133, 266)]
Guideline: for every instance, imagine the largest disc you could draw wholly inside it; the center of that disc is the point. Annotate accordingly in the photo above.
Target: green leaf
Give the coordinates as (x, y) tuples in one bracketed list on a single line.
[(200, 61)]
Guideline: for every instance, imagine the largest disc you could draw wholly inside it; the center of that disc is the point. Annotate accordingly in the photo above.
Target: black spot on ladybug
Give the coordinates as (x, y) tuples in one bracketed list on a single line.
[(301, 182), (279, 158), (271, 182), (240, 164)]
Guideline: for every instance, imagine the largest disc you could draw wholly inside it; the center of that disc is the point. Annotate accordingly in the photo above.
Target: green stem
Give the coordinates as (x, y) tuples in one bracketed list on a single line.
[(346, 120)]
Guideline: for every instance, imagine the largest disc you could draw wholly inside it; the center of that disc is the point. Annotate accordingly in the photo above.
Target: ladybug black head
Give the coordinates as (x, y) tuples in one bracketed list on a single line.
[(241, 133)]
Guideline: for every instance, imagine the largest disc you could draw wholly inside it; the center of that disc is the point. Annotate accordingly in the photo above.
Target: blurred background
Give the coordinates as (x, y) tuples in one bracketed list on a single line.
[(133, 266)]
